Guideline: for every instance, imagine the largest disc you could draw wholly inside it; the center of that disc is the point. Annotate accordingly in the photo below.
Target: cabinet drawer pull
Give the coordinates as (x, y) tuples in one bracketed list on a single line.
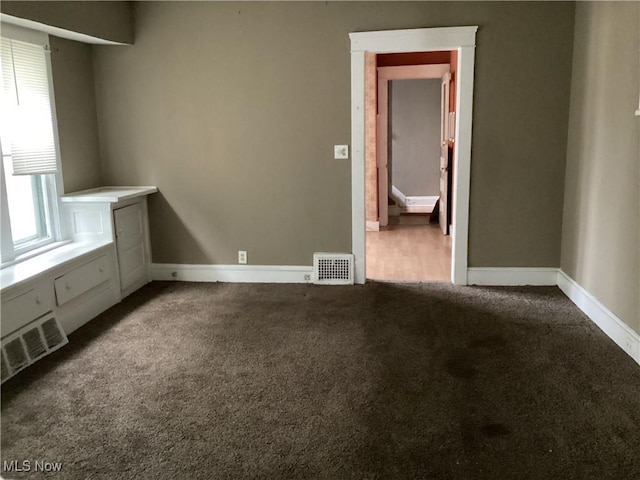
[(26, 307), (79, 280)]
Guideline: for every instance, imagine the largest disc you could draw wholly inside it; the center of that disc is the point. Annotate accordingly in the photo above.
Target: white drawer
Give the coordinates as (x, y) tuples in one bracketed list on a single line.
[(82, 279), (20, 310)]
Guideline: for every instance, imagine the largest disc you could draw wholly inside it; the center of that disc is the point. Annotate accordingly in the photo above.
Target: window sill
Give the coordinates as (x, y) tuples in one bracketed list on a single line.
[(38, 265), (34, 253)]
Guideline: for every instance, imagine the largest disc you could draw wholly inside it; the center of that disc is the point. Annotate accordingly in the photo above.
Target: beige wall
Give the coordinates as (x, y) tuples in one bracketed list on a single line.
[(106, 20), (601, 226), (233, 109), (72, 67)]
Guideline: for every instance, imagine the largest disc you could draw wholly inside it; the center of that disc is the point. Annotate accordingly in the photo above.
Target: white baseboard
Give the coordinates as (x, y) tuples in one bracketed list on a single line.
[(512, 276), (232, 273), (395, 210), (373, 226), (422, 201), (417, 209), (398, 196), (411, 203), (604, 318)]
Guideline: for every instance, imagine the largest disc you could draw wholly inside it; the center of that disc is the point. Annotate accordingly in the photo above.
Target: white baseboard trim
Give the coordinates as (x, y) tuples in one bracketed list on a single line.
[(417, 209), (232, 273), (373, 226), (398, 196), (424, 201), (512, 276), (605, 319), (395, 210), (411, 204), (609, 323)]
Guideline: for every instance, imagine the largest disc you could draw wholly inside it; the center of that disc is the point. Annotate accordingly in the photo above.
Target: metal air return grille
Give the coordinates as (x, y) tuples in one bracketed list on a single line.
[(333, 268), (30, 344)]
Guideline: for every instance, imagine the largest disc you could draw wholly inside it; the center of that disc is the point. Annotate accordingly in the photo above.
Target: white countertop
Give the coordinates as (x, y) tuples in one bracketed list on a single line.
[(41, 264), (108, 194)]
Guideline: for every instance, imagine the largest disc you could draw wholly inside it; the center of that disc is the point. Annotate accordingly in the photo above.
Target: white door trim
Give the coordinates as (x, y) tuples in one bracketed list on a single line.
[(461, 39), (385, 75), (412, 72), (382, 150), (443, 172)]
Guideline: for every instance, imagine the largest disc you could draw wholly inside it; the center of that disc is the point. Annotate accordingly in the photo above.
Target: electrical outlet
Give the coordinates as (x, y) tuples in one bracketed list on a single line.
[(341, 152), (242, 256)]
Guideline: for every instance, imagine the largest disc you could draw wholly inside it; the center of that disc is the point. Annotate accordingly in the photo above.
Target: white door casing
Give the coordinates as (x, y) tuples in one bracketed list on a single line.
[(385, 75), (443, 218), (382, 147), (461, 39)]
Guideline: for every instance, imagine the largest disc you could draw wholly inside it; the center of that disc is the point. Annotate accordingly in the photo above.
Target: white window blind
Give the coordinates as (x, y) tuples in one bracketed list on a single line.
[(27, 118)]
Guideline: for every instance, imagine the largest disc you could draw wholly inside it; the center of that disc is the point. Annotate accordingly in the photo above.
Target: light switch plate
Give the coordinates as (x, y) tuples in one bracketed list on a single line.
[(341, 152)]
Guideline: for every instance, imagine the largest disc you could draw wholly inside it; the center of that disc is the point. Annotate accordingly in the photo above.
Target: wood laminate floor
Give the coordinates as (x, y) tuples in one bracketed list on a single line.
[(409, 253)]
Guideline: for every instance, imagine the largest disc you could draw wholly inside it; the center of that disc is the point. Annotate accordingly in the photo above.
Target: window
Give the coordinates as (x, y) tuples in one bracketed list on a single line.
[(29, 171)]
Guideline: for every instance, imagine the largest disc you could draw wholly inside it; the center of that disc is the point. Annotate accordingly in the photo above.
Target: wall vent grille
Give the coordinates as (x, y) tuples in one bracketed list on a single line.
[(29, 344), (333, 268)]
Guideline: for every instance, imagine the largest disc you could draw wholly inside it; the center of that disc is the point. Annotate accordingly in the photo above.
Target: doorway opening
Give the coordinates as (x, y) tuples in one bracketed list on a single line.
[(408, 153), (458, 39)]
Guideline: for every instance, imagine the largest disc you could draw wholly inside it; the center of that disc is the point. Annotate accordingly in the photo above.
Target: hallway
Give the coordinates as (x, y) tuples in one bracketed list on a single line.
[(412, 253)]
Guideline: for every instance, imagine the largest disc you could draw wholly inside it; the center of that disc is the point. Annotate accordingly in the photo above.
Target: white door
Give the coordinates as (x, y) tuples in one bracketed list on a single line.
[(130, 245), (382, 145), (444, 155)]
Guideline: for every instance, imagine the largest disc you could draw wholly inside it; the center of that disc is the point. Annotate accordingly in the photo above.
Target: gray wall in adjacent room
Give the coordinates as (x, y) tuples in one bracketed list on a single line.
[(415, 136)]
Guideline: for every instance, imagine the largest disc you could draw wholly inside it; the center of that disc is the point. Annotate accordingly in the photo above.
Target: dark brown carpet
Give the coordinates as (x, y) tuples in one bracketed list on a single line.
[(214, 381)]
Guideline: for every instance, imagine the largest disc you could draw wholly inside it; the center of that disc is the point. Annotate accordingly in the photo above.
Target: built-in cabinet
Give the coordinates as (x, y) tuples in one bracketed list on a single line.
[(52, 294), (130, 224), (120, 215)]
